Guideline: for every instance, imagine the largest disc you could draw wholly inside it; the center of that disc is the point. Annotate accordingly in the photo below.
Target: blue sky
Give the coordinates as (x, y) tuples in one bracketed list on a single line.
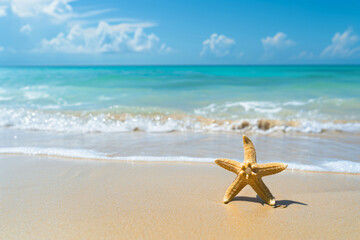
[(65, 32)]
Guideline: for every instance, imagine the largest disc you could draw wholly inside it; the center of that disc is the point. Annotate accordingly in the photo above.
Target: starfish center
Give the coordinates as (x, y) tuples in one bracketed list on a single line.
[(248, 171)]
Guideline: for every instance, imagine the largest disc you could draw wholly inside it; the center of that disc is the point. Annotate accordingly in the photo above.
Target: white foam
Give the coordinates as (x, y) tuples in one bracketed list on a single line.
[(294, 103), (104, 98), (340, 166), (82, 122), (31, 95), (247, 106), (5, 98), (36, 87), (95, 155), (311, 109), (60, 152), (307, 126)]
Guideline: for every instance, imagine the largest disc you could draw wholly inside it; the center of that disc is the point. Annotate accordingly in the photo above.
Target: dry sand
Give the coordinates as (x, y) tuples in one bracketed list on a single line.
[(49, 198)]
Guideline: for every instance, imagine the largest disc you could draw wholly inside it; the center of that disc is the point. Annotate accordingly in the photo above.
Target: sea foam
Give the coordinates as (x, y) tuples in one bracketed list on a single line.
[(104, 121)]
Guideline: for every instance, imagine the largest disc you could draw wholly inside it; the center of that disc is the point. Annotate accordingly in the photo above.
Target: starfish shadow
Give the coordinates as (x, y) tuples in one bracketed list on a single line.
[(279, 203)]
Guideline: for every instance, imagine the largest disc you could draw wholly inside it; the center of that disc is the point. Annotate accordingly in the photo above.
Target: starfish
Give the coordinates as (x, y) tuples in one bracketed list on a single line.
[(250, 172)]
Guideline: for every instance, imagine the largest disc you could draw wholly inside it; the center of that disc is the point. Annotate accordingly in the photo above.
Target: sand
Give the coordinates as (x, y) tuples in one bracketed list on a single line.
[(51, 198)]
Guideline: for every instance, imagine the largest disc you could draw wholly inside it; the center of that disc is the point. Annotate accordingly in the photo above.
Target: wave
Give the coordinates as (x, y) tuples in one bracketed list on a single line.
[(339, 166), (317, 108), (256, 106), (85, 154), (105, 121)]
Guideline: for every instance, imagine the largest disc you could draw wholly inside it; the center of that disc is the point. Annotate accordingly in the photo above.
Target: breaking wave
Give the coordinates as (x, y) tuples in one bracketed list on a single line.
[(106, 121)]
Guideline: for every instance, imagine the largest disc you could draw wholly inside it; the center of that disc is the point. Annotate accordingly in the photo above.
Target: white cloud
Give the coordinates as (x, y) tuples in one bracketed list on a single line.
[(280, 40), (3, 11), (276, 43), (59, 10), (165, 49), (106, 38), (219, 45), (26, 28), (342, 45), (303, 55)]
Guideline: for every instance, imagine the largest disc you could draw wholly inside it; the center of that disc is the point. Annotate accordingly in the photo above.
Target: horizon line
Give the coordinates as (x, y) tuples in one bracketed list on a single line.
[(179, 65)]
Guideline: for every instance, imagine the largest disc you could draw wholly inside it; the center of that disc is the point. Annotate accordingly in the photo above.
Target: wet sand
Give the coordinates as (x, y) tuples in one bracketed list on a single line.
[(52, 198)]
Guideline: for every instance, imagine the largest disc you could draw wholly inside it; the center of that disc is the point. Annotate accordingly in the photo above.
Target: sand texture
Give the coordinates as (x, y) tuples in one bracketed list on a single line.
[(49, 198)]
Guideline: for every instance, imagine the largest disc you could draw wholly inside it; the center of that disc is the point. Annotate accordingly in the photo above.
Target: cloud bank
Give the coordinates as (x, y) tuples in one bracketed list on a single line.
[(342, 45), (106, 38), (59, 10)]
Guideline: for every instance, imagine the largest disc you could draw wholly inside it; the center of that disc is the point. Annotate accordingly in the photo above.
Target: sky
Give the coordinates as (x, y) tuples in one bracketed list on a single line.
[(92, 32)]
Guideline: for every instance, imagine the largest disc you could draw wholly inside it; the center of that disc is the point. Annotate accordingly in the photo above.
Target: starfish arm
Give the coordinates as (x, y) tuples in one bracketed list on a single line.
[(234, 189), (261, 189), (249, 150), (228, 164), (266, 169)]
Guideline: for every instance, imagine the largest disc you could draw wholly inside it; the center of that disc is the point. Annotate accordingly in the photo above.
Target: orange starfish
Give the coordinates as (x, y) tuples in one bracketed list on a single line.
[(250, 172)]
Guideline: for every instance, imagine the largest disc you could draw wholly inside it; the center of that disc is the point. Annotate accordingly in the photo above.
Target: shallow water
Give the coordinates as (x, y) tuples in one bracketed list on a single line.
[(333, 153), (180, 98), (306, 116)]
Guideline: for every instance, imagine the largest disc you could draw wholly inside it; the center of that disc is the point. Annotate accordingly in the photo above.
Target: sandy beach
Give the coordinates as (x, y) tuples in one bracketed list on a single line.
[(53, 198)]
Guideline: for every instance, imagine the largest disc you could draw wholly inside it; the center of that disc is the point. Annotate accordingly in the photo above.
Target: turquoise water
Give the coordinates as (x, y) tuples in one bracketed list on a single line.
[(316, 98), (306, 116), (182, 88)]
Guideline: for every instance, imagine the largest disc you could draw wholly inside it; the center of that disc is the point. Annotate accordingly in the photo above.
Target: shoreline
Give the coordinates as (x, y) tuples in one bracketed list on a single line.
[(48, 198), (109, 160), (119, 160)]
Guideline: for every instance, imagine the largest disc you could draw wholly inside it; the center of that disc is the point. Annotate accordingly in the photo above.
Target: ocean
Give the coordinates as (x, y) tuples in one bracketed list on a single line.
[(306, 116)]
